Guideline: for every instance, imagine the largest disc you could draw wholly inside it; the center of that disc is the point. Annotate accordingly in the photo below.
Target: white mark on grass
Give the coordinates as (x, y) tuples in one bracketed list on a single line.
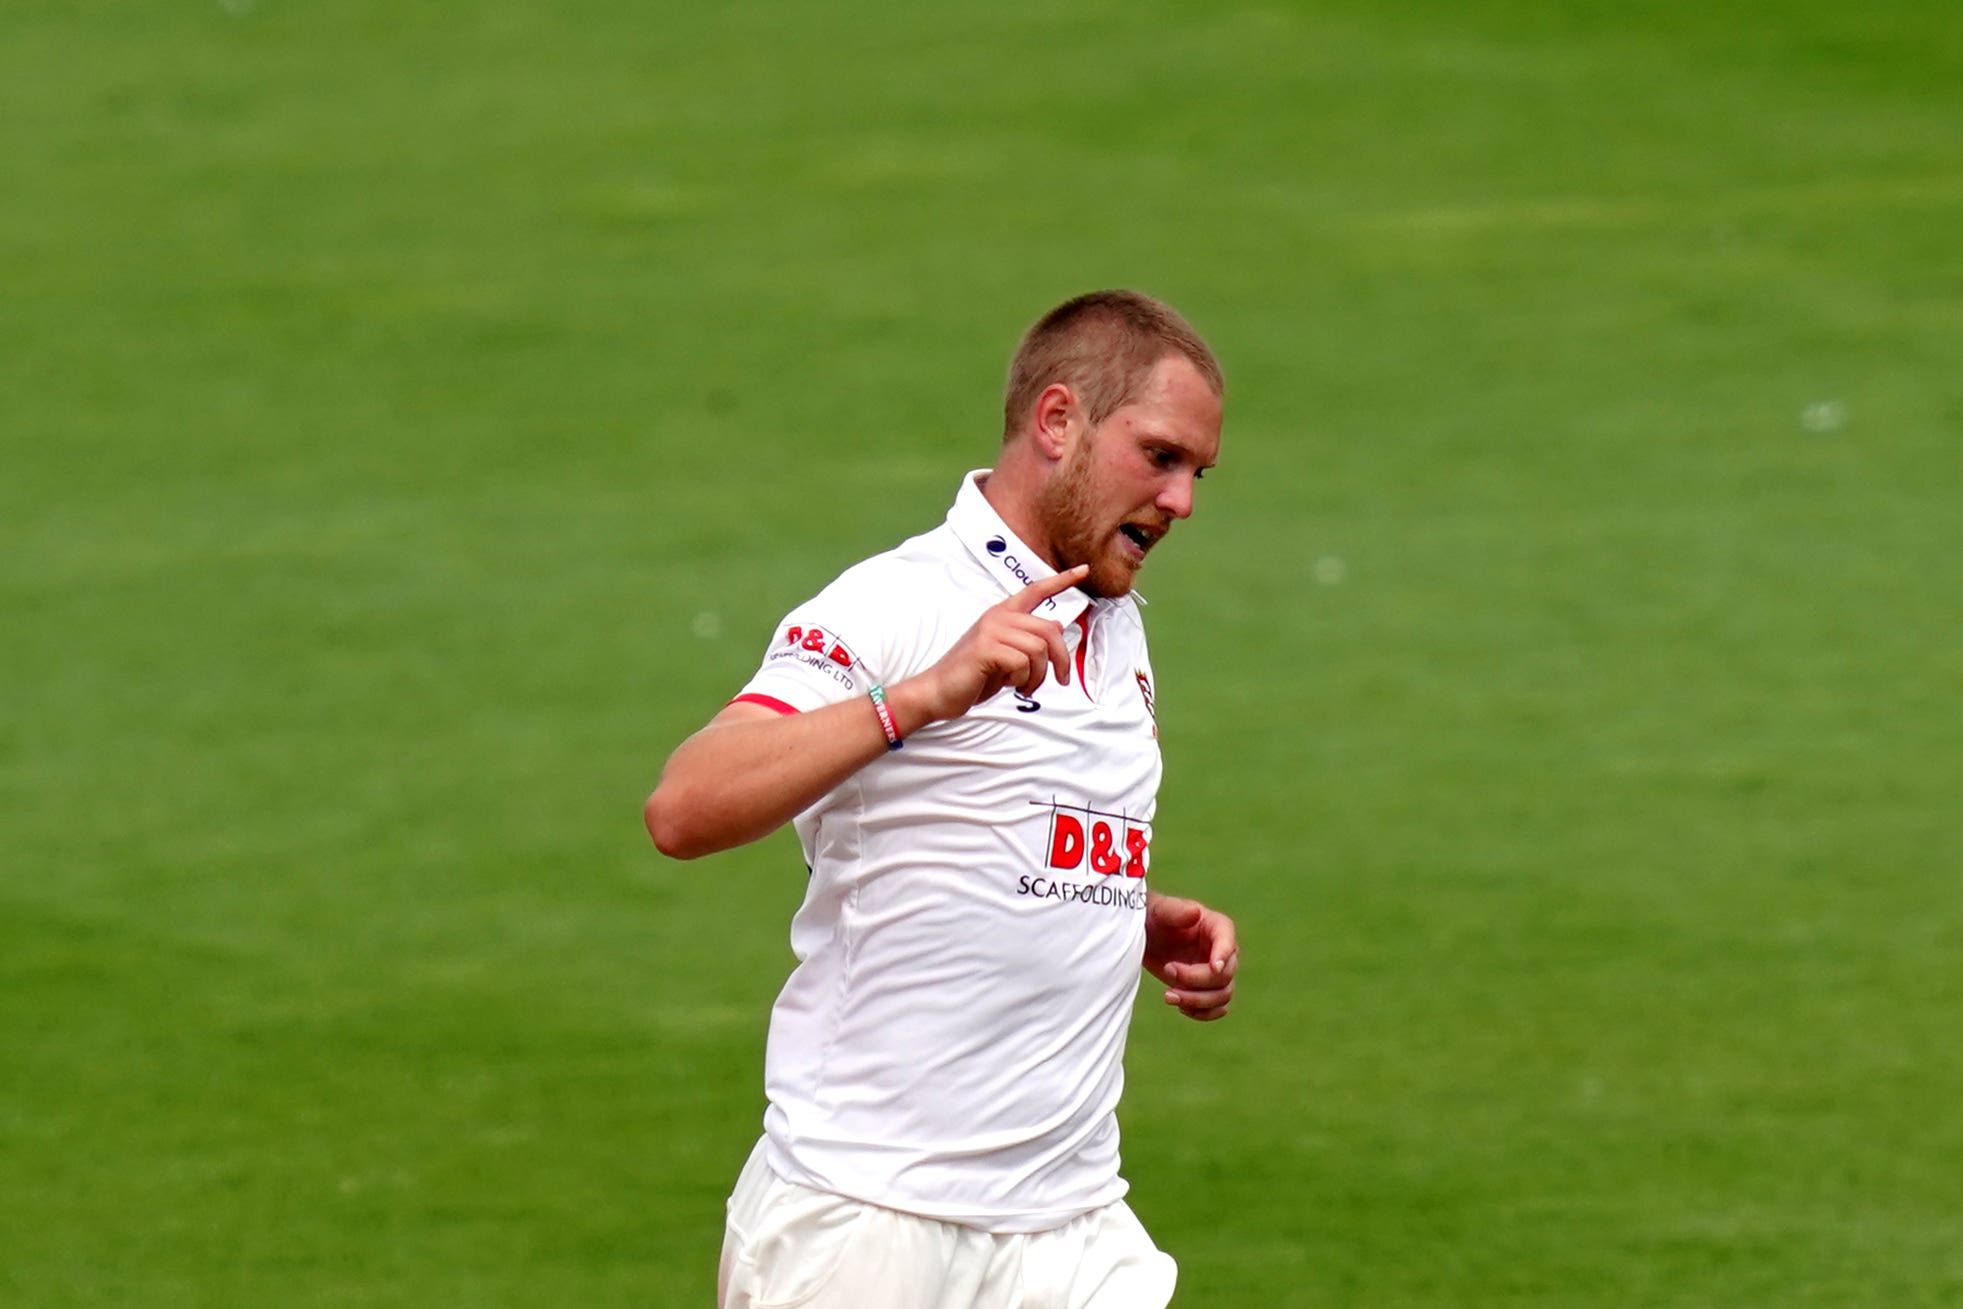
[(238, 8), (1330, 570), (1823, 416), (707, 625)]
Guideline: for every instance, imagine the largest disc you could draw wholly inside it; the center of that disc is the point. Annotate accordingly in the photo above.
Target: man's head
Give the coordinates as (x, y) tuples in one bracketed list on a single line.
[(1112, 415), (1101, 346)]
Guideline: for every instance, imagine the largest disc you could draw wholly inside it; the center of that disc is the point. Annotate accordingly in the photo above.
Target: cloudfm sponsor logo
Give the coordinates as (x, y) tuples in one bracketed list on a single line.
[(1011, 563)]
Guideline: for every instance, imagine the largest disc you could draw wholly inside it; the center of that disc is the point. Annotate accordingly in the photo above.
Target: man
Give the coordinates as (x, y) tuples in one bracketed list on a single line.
[(962, 730)]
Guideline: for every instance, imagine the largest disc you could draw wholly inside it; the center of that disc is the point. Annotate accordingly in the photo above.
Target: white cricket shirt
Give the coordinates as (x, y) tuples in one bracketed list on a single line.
[(951, 1042)]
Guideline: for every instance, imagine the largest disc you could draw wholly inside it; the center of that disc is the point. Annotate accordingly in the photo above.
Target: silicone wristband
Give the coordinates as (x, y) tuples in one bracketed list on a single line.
[(886, 722)]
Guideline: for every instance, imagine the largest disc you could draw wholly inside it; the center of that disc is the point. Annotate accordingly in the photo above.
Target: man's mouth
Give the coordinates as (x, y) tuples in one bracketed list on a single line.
[(1142, 538)]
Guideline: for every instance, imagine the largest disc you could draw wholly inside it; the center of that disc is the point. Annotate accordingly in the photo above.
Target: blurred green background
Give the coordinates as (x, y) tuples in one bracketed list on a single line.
[(415, 417)]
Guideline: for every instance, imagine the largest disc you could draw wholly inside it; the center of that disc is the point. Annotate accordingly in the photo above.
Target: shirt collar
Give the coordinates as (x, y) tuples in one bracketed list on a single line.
[(1002, 554)]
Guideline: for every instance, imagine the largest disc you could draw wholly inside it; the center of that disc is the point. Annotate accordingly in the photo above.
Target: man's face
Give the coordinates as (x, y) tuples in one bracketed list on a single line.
[(1124, 481)]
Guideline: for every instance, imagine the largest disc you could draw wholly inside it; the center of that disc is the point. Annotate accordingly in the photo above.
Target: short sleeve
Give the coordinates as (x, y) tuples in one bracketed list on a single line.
[(831, 648)]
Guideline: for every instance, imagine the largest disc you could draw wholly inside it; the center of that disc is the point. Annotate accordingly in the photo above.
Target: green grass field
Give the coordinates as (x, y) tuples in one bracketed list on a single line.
[(413, 418)]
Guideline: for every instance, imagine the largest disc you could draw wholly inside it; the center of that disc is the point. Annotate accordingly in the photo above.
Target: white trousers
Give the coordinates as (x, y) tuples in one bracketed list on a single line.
[(789, 1247)]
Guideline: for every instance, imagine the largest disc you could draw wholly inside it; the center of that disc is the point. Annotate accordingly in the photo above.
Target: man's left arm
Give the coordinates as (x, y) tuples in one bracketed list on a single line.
[(1194, 951)]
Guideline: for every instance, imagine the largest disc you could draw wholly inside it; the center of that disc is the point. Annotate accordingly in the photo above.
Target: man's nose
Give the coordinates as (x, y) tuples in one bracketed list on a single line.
[(1176, 497)]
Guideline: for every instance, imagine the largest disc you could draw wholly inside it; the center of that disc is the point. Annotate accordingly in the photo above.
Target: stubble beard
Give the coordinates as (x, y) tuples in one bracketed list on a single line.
[(1075, 537)]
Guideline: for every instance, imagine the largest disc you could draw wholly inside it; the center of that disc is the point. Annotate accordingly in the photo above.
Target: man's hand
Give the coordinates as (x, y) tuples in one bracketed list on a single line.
[(1007, 646), (1192, 949)]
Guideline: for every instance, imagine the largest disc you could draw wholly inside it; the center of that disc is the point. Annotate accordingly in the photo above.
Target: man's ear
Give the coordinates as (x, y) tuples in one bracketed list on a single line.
[(1058, 420)]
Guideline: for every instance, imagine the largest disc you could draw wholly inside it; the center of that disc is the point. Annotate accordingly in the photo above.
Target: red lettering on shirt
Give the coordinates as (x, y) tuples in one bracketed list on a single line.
[(1066, 842), (1108, 843), (1104, 855)]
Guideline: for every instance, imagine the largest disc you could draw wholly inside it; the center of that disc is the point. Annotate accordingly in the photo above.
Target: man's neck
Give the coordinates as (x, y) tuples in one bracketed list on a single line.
[(1014, 490)]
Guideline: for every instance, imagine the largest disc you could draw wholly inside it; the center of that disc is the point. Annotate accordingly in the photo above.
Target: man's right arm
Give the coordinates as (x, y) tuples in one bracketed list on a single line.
[(752, 769)]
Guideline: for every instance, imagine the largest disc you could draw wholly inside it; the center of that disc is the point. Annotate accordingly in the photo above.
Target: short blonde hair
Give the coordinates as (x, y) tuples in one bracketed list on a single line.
[(1102, 346)]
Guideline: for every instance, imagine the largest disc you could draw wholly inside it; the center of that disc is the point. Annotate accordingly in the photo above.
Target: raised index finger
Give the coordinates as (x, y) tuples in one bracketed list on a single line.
[(1043, 588)]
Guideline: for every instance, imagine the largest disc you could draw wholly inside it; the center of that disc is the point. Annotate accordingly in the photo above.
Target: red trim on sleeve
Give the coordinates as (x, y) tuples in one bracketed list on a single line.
[(767, 701)]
